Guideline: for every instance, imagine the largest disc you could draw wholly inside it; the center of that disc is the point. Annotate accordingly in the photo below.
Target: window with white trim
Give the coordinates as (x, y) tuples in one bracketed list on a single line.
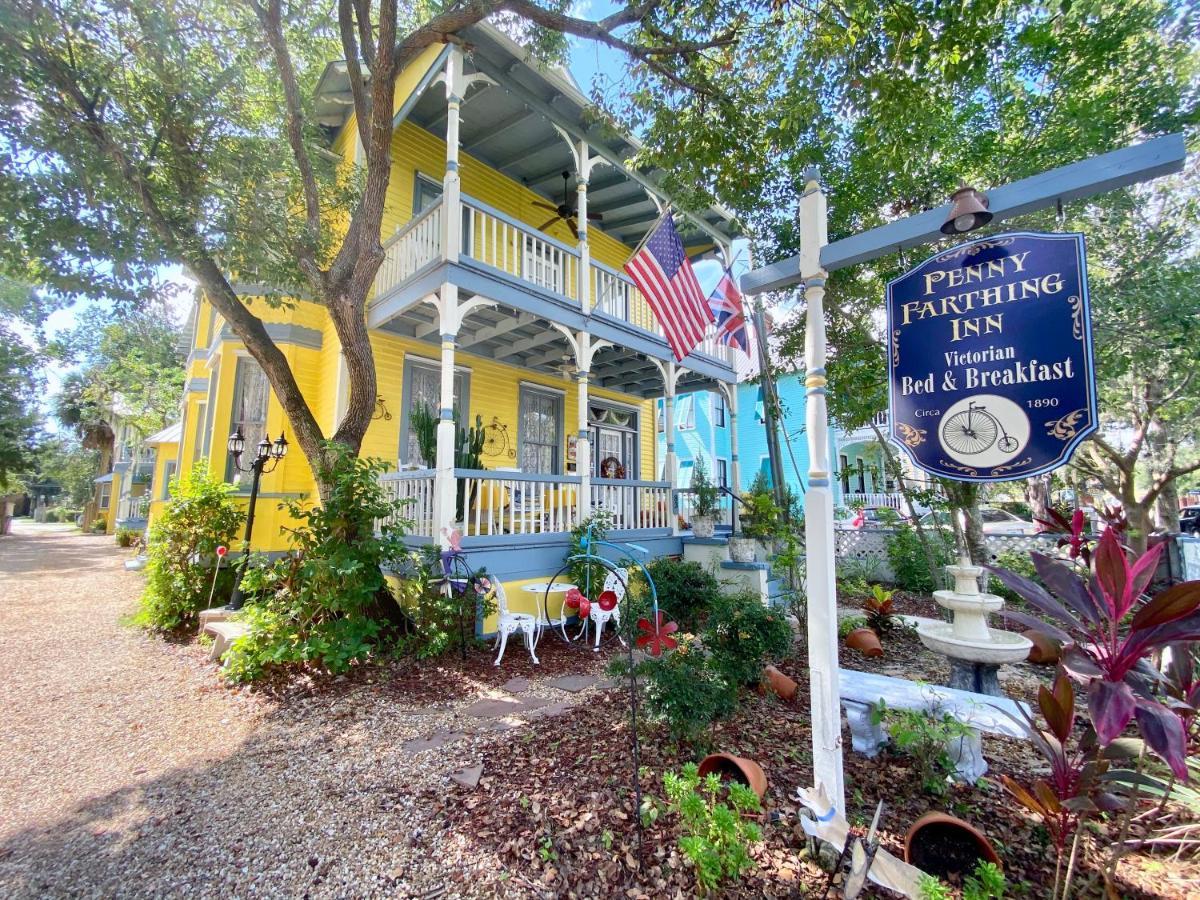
[(539, 434)]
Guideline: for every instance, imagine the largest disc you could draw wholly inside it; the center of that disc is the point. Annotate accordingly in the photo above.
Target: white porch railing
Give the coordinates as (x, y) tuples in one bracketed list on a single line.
[(685, 501), (410, 249), (615, 294), (498, 502), (519, 250), (133, 507), (634, 504), (415, 489), (895, 501)]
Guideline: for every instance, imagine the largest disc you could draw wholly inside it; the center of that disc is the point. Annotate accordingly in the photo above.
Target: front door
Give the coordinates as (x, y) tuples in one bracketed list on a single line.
[(615, 439)]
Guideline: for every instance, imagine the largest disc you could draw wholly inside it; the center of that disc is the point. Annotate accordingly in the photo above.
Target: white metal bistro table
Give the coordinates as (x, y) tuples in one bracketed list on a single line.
[(544, 589)]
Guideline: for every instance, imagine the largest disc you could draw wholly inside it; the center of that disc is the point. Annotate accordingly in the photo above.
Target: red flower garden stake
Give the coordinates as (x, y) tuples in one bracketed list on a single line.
[(608, 601), (221, 551), (574, 596), (657, 637)]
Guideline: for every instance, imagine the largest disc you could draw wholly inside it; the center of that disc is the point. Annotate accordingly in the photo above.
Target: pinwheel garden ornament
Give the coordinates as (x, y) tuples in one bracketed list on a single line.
[(657, 637)]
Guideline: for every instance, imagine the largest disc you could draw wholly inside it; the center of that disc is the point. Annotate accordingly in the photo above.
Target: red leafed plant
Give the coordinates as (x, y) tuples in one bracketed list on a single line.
[(1071, 792), (1108, 629), (1181, 682)]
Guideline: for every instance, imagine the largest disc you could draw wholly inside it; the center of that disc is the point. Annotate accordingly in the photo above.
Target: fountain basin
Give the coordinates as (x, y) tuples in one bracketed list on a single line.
[(1000, 646)]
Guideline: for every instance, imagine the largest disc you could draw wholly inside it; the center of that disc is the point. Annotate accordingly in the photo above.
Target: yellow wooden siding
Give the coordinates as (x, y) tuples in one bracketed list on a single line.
[(164, 453)]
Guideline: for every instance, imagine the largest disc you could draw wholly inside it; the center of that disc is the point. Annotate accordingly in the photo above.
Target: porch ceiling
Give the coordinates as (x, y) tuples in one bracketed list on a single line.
[(511, 128), (528, 342)]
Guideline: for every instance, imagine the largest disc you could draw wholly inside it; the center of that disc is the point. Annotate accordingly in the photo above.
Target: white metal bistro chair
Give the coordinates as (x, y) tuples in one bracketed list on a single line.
[(615, 582), (510, 622)]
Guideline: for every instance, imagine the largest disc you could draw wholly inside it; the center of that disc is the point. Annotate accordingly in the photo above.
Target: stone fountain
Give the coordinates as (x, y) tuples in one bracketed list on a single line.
[(975, 650)]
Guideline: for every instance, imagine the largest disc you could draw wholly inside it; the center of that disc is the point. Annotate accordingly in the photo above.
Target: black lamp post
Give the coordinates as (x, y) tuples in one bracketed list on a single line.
[(265, 453)]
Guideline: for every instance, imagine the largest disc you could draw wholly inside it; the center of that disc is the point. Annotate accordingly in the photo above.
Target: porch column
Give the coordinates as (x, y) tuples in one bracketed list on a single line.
[(444, 484), (585, 253), (735, 478), (451, 185), (818, 510), (583, 449)]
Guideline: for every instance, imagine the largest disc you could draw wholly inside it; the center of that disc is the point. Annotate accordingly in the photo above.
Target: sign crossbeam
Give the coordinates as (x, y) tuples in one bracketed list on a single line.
[(1109, 171)]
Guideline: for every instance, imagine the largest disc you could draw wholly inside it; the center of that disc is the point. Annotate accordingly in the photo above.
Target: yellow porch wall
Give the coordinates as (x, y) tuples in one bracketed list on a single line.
[(164, 453), (494, 392)]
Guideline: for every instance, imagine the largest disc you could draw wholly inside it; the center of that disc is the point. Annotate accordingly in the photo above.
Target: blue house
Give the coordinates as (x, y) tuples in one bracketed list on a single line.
[(703, 430)]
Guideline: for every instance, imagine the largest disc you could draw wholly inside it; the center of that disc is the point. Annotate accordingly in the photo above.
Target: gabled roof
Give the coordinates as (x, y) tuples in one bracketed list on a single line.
[(511, 127)]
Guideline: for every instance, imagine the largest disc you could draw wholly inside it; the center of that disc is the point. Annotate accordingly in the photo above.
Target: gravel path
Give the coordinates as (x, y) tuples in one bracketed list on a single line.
[(126, 769)]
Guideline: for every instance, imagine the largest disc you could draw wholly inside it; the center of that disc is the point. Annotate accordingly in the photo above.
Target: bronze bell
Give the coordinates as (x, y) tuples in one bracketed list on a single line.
[(968, 211)]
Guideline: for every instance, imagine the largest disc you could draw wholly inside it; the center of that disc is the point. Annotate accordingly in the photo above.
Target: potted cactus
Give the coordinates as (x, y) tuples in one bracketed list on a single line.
[(704, 516)]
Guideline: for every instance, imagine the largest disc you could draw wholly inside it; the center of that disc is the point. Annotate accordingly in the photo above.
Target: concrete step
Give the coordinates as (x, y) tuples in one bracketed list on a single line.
[(224, 634)]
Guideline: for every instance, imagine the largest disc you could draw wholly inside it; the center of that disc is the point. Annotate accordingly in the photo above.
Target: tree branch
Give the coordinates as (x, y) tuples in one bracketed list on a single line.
[(350, 50), (270, 17)]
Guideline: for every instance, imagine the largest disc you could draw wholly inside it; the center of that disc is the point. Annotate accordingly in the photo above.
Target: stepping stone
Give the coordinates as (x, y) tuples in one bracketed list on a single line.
[(468, 777), (546, 712), (433, 742), (572, 683), (494, 709), (515, 685)]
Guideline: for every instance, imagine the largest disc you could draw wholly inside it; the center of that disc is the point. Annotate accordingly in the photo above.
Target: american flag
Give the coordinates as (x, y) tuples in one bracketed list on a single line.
[(663, 273), (726, 304)]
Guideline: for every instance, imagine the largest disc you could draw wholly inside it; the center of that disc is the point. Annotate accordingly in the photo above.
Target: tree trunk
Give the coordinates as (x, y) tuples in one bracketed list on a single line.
[(1037, 495), (1168, 507), (964, 497)]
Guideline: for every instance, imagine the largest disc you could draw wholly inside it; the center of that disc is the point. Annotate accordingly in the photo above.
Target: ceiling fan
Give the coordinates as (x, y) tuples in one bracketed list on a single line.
[(566, 211)]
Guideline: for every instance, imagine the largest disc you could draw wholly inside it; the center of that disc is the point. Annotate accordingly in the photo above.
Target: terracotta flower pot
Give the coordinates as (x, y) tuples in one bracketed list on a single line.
[(736, 768), (944, 845), (779, 683), (1045, 650), (865, 641)]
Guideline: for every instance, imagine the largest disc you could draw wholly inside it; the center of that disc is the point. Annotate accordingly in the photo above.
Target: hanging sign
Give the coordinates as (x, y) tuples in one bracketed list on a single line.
[(990, 357)]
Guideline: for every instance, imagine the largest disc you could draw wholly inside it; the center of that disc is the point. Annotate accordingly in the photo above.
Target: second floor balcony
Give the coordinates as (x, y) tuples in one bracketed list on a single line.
[(507, 260)]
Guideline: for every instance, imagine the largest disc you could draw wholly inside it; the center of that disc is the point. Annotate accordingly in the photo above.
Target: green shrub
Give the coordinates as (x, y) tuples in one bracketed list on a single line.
[(199, 517), (99, 525), (716, 837), (443, 619), (1013, 561), (848, 624), (910, 567), (742, 636), (923, 736), (686, 591), (127, 537), (327, 603), (683, 690)]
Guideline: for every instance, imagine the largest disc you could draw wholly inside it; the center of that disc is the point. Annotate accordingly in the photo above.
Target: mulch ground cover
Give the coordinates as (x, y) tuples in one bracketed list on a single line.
[(560, 814)]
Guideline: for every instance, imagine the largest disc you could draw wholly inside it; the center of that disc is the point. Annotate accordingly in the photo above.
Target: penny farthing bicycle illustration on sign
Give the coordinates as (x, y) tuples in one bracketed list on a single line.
[(984, 430)]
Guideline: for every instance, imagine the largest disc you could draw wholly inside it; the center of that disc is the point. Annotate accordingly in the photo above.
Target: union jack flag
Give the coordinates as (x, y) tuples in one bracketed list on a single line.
[(726, 304), (663, 273)]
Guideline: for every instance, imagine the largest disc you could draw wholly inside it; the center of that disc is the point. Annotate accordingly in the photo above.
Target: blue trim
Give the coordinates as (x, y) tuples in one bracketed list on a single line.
[(446, 414), (500, 475), (704, 542), (818, 482), (746, 567), (451, 338), (451, 165)]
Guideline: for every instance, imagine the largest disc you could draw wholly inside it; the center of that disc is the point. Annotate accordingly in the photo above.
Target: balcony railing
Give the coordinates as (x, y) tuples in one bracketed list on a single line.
[(410, 249), (518, 251)]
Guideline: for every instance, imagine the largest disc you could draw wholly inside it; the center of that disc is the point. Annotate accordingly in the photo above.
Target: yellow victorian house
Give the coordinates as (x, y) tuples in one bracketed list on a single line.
[(510, 214)]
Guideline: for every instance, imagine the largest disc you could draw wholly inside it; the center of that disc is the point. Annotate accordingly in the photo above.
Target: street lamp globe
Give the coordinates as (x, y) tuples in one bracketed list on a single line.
[(237, 444), (280, 448), (264, 448)]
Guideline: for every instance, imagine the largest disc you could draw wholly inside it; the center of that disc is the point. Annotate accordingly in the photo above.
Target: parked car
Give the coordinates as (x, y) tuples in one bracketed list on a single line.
[(995, 521), (873, 517), (1189, 520)]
